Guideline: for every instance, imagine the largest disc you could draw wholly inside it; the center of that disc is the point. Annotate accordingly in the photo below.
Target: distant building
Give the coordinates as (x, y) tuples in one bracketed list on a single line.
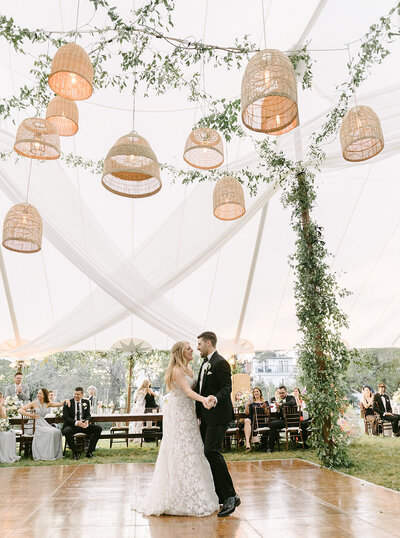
[(278, 368)]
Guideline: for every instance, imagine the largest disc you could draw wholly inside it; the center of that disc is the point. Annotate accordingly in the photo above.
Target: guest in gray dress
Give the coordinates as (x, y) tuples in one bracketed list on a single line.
[(47, 441), (8, 442)]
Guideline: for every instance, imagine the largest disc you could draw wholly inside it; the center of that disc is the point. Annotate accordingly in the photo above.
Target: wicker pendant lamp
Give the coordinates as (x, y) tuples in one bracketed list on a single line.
[(37, 138), (204, 149), (71, 74), (22, 229), (361, 134), (269, 93), (64, 115), (228, 199), (131, 168)]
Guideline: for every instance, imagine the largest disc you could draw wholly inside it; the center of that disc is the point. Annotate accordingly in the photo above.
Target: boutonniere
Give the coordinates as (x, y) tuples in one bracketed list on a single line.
[(208, 366), (85, 405)]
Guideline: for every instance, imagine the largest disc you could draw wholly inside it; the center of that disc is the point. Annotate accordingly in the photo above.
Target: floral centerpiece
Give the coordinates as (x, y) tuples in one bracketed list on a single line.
[(12, 404), (396, 396), (5, 425), (110, 407), (58, 411)]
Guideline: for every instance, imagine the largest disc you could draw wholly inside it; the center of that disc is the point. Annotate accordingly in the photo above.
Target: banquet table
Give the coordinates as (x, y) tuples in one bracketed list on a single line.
[(114, 417)]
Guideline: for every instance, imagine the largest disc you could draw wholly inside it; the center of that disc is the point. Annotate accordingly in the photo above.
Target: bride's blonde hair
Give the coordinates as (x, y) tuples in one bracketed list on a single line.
[(177, 361)]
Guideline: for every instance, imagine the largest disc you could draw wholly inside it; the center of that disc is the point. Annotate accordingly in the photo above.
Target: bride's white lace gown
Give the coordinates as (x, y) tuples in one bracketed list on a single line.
[(182, 482)]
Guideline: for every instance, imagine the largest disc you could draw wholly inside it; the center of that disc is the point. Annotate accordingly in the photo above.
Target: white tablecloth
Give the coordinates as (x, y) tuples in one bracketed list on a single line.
[(8, 447), (395, 408)]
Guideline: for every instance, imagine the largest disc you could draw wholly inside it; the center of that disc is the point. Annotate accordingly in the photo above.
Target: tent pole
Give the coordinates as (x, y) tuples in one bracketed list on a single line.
[(251, 273), (9, 300), (128, 403)]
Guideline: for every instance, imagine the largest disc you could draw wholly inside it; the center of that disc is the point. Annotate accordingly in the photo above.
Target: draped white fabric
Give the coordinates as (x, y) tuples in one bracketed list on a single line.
[(123, 288)]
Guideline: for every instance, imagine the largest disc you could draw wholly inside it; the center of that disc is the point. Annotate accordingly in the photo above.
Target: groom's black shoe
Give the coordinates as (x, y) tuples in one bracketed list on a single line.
[(229, 506), (89, 455), (76, 456)]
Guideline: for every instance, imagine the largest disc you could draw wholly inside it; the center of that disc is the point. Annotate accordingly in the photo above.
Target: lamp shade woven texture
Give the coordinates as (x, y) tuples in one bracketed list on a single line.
[(228, 199), (22, 229), (204, 149), (71, 74), (131, 168), (361, 134), (64, 115), (37, 138), (269, 93)]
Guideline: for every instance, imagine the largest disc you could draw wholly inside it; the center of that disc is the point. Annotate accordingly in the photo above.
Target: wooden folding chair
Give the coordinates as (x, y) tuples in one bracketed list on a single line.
[(26, 437), (292, 416), (261, 421)]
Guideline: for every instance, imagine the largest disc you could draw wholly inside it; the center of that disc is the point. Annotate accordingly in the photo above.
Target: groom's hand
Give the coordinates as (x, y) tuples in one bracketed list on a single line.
[(210, 402)]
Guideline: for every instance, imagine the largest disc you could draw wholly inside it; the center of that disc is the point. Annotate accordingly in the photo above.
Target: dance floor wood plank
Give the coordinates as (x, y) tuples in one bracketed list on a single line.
[(290, 497)]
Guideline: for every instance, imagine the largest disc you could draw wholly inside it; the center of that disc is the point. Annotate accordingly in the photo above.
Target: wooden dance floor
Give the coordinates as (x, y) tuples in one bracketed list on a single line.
[(289, 498)]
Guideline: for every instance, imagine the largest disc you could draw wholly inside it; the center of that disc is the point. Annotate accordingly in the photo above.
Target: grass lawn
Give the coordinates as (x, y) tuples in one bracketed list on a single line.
[(375, 459)]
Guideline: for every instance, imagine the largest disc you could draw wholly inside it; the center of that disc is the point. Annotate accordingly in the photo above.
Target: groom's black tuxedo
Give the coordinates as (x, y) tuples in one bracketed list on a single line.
[(217, 381), (69, 428)]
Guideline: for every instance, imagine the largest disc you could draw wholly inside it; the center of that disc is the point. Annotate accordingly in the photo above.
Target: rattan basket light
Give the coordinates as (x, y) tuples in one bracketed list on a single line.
[(204, 149), (131, 168), (361, 134), (269, 93), (228, 199), (64, 115), (71, 73), (22, 229), (37, 138)]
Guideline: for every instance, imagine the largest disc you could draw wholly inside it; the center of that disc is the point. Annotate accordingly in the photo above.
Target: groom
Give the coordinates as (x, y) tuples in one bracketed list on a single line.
[(215, 383)]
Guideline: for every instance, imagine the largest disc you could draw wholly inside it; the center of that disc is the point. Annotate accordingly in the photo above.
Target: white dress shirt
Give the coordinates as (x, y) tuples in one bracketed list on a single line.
[(204, 368), (384, 402)]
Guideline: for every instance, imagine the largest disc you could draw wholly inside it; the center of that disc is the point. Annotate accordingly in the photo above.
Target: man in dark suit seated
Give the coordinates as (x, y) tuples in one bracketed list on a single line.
[(76, 420), (383, 407), (285, 400)]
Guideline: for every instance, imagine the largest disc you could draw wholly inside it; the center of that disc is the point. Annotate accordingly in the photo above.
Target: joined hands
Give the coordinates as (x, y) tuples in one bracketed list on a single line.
[(210, 401)]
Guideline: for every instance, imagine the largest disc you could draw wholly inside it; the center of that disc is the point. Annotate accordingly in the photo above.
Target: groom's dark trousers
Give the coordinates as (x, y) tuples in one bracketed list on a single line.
[(214, 422)]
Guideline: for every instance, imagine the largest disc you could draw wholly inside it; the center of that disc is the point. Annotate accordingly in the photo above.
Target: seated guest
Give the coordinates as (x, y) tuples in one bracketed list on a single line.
[(76, 420), (367, 409), (257, 400), (47, 441), (305, 417), (383, 407), (299, 400), (92, 397), (281, 400), (18, 389)]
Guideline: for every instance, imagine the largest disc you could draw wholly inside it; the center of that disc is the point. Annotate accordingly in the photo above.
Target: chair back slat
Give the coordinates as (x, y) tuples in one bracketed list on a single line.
[(261, 418), (28, 426), (292, 417)]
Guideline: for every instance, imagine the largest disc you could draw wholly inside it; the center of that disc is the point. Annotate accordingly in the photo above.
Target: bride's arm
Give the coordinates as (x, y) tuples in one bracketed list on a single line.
[(181, 381)]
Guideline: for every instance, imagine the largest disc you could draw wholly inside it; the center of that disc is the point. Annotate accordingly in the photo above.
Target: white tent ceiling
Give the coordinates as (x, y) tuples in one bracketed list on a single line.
[(357, 204)]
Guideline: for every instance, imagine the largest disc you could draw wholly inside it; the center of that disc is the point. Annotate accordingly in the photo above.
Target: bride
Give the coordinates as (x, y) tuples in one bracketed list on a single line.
[(182, 482)]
